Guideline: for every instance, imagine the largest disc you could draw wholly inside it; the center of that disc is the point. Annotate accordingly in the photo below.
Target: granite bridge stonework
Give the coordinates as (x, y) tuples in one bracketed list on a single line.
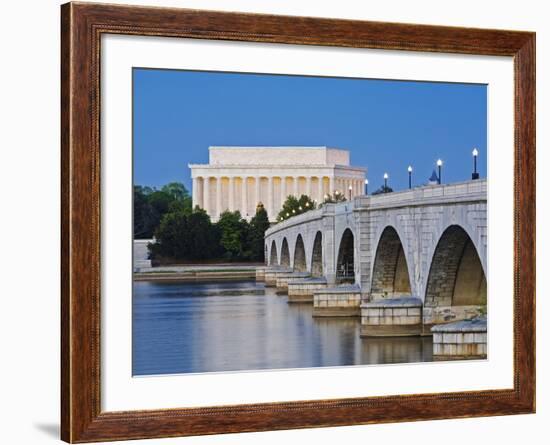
[(428, 243)]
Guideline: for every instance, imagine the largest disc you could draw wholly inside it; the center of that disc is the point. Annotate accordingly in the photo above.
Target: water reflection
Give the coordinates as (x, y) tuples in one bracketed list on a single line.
[(232, 326)]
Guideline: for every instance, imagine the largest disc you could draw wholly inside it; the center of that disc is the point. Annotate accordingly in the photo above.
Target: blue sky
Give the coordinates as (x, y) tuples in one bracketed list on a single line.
[(386, 125)]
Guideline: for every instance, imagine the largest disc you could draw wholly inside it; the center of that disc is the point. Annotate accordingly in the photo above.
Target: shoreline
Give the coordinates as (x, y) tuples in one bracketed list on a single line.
[(197, 273)]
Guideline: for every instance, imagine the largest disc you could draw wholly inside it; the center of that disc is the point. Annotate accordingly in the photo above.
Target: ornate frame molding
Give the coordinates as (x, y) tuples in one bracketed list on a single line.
[(82, 25)]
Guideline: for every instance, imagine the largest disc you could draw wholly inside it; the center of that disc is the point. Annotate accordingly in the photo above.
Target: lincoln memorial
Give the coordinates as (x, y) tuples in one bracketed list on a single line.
[(238, 178)]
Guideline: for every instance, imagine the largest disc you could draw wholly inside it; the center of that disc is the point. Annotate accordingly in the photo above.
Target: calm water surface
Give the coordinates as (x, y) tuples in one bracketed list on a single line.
[(235, 326)]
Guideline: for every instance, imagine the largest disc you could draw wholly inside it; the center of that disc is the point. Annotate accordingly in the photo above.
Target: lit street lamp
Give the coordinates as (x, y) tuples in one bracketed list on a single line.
[(439, 164), (410, 170), (385, 181), (475, 174), (366, 186), (350, 188)]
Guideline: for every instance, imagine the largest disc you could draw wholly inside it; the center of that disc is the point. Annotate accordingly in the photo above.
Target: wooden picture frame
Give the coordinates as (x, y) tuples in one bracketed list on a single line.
[(82, 25)]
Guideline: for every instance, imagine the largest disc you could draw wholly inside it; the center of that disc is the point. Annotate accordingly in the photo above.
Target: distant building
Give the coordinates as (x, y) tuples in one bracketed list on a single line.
[(238, 178)]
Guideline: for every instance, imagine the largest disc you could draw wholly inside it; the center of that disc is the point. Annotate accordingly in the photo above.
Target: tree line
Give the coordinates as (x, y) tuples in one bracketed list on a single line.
[(183, 233)]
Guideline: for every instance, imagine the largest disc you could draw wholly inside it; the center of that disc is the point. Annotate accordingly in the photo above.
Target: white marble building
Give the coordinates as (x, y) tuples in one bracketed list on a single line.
[(238, 178)]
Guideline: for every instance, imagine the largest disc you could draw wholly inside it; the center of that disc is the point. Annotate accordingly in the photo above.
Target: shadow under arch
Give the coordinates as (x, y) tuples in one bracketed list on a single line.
[(285, 254), (273, 255), (300, 255), (345, 266), (390, 276), (456, 276), (317, 256)]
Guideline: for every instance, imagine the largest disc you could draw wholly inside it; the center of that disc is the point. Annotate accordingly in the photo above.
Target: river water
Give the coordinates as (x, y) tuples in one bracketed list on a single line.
[(234, 326)]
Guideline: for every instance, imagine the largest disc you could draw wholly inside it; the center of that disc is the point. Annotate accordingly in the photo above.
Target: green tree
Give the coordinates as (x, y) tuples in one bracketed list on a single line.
[(258, 225), (295, 206), (334, 198), (233, 234), (186, 236), (150, 205), (160, 201), (181, 200), (146, 218), (203, 235), (171, 237), (383, 189), (176, 190)]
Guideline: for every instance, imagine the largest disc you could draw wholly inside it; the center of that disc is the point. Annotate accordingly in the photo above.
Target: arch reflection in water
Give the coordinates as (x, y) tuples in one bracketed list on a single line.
[(236, 326)]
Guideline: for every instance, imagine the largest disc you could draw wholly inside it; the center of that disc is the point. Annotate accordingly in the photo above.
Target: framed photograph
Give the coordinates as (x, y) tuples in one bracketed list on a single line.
[(274, 222)]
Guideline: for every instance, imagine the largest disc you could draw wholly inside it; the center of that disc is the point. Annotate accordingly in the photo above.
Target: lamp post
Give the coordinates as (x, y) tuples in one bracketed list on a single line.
[(410, 170), (475, 174), (366, 186), (385, 181), (439, 164), (350, 188)]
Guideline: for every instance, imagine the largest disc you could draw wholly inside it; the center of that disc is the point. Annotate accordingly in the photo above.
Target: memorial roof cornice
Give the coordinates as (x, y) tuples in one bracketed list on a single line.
[(276, 166)]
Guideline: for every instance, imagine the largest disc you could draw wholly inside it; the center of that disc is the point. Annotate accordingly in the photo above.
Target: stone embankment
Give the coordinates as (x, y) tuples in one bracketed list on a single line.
[(195, 273)]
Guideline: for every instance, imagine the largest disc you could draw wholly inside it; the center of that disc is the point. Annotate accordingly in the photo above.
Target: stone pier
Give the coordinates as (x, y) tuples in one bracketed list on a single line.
[(270, 275), (282, 280), (341, 301), (260, 274), (391, 317), (302, 290), (460, 340)]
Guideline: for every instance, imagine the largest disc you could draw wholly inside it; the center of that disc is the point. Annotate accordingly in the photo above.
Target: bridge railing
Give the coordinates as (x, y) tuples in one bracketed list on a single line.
[(311, 215), (429, 194)]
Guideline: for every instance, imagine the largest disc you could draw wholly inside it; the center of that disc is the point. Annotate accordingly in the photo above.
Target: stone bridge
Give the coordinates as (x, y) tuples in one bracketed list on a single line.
[(427, 244)]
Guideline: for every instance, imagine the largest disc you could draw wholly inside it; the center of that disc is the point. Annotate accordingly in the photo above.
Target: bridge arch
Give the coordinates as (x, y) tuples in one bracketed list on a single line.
[(345, 264), (285, 254), (273, 254), (456, 276), (390, 276), (317, 255), (299, 263)]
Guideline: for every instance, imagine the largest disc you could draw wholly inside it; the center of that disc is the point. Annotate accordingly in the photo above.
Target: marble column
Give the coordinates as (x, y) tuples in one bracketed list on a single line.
[(269, 208), (320, 197), (308, 186), (231, 199), (244, 196), (295, 180), (218, 196), (195, 192), (206, 194), (283, 190), (332, 185), (256, 192)]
